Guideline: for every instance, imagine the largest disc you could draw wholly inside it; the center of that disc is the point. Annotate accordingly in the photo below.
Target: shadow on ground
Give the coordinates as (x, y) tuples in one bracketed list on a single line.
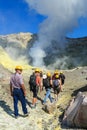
[(82, 89), (39, 99), (6, 108), (28, 102)]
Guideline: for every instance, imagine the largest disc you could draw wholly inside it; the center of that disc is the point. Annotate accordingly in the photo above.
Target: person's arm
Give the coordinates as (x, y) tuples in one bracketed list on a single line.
[(51, 82), (22, 85), (60, 85), (40, 83), (23, 88)]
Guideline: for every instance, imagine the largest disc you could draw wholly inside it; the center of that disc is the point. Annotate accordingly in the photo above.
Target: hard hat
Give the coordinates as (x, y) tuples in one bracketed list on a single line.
[(37, 70), (56, 72), (18, 67), (61, 72), (57, 76), (48, 74), (40, 70)]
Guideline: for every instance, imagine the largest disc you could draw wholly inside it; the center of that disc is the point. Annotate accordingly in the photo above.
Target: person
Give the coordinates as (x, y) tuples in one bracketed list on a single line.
[(32, 82), (55, 73), (62, 77), (56, 86), (44, 79), (41, 76), (48, 85), (36, 87), (18, 92)]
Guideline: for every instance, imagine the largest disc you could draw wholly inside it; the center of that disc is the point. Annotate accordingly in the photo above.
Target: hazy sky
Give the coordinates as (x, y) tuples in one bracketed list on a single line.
[(16, 16)]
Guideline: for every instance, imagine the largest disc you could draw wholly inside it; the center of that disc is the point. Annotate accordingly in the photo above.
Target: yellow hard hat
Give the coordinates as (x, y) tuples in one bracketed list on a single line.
[(41, 71), (61, 72), (56, 72), (37, 70), (57, 76), (18, 67), (48, 74)]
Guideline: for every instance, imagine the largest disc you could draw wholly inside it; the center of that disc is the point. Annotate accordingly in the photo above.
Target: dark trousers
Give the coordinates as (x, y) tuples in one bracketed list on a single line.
[(18, 95), (35, 91)]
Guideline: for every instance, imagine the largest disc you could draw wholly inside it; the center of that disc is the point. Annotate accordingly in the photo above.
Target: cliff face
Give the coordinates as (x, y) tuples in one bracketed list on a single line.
[(22, 39), (14, 49), (77, 51), (71, 55)]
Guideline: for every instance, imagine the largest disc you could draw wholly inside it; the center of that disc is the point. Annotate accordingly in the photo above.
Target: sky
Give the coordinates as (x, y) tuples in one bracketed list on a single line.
[(16, 16)]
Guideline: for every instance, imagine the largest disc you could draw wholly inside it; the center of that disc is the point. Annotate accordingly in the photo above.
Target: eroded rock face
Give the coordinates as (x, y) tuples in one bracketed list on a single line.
[(14, 49), (21, 38), (81, 117), (76, 113)]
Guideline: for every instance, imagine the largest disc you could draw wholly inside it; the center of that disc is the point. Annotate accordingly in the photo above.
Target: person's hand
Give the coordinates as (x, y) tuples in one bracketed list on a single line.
[(24, 93)]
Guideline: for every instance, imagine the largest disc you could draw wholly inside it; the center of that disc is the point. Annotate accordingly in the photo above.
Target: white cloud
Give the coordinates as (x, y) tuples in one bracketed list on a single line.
[(62, 16)]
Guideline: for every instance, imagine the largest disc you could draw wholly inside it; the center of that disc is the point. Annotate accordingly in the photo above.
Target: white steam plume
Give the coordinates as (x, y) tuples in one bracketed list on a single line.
[(61, 17), (38, 54)]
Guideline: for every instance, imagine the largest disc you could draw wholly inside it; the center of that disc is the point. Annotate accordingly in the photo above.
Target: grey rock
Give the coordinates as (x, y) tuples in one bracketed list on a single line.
[(76, 113), (49, 108)]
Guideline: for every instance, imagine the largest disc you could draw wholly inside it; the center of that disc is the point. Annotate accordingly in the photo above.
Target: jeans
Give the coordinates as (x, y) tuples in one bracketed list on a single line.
[(48, 95), (18, 95)]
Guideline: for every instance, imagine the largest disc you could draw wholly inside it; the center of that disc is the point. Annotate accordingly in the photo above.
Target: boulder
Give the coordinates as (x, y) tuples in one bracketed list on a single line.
[(81, 117), (49, 108), (76, 113)]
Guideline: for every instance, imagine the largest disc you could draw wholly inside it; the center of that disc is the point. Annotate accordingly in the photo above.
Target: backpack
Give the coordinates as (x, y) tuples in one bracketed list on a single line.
[(32, 80), (46, 82), (62, 76), (56, 83)]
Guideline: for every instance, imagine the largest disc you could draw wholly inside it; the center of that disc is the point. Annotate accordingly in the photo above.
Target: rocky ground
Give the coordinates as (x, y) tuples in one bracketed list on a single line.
[(38, 119)]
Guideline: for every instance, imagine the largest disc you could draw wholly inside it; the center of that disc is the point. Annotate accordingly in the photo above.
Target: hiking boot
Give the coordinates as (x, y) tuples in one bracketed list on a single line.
[(33, 106), (53, 100), (25, 115), (43, 103), (16, 117)]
